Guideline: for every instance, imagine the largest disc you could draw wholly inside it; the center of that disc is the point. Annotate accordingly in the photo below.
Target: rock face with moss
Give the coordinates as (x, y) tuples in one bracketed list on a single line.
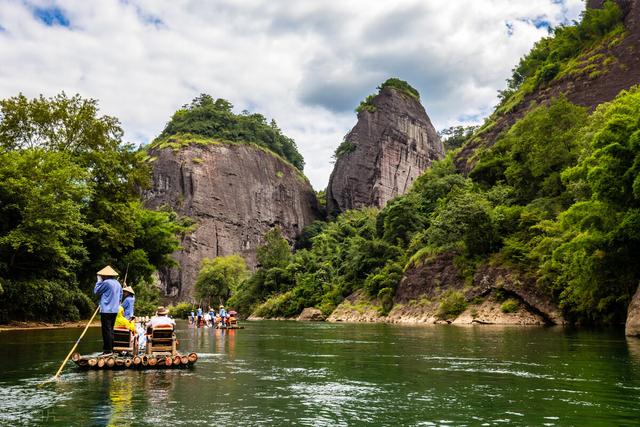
[(235, 192), (392, 143)]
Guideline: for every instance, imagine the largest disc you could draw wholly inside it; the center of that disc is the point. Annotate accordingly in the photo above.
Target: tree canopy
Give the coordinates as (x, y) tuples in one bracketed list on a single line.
[(215, 119), (70, 204)]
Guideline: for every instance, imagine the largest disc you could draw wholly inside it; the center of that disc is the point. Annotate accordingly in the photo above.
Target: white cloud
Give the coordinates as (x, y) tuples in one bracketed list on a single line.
[(304, 63)]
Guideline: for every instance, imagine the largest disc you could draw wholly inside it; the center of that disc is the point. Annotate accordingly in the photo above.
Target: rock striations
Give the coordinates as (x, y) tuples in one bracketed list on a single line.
[(235, 193), (392, 143)]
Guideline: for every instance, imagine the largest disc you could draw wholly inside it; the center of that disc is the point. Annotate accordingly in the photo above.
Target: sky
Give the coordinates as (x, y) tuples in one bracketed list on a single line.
[(305, 63)]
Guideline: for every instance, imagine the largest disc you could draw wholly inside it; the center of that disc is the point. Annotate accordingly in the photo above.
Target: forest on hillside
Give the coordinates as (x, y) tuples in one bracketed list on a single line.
[(556, 198)]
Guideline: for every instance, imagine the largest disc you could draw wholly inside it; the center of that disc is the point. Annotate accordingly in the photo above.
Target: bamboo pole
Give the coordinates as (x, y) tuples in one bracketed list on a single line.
[(101, 362), (184, 360), (66, 359)]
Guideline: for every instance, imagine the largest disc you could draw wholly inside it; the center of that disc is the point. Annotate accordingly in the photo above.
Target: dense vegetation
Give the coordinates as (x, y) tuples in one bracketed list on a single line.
[(570, 51), (218, 278), (211, 118), (70, 204), (557, 198), (400, 85)]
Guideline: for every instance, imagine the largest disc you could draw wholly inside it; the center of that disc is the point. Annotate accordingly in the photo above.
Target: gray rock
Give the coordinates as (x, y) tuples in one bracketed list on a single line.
[(235, 193), (311, 314), (392, 147), (632, 327)]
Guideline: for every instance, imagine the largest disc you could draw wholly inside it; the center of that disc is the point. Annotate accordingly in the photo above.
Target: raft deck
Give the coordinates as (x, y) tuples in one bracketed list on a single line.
[(135, 362)]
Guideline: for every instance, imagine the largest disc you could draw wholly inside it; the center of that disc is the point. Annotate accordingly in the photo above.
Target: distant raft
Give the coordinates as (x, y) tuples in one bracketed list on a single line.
[(115, 361)]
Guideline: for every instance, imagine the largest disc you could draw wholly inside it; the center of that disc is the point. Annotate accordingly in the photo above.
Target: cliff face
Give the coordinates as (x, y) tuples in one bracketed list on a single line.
[(602, 74), (388, 149), (235, 193)]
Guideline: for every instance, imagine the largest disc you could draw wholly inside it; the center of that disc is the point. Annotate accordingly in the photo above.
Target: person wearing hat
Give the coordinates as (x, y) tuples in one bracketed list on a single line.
[(128, 300), (161, 318), (110, 291)]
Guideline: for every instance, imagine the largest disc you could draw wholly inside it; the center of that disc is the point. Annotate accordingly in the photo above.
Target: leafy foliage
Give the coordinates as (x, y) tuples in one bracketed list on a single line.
[(219, 278), (215, 119), (345, 147), (451, 305), (510, 306), (551, 56), (368, 105), (69, 204), (455, 137), (556, 198)]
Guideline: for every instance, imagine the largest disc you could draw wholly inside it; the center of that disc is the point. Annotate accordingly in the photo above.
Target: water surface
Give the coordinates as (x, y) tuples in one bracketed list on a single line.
[(289, 373)]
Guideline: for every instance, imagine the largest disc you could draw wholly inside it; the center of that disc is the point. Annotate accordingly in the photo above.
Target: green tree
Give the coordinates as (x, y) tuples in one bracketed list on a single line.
[(455, 137), (70, 203), (275, 252), (215, 118), (219, 278)]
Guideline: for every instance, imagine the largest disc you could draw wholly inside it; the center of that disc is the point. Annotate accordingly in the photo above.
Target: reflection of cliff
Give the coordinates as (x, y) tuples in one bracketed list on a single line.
[(235, 193), (388, 148)]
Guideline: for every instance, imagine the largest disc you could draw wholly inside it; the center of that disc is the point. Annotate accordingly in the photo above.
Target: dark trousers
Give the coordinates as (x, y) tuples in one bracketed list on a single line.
[(108, 320)]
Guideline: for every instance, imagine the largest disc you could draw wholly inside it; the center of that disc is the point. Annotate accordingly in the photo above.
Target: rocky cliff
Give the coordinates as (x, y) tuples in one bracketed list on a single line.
[(392, 143), (632, 326), (597, 76), (234, 192)]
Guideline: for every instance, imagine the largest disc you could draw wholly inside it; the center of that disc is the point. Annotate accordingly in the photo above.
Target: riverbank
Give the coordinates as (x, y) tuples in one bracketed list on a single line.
[(20, 326)]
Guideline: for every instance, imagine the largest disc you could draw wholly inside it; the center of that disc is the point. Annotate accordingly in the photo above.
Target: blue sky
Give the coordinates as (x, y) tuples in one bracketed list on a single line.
[(307, 64)]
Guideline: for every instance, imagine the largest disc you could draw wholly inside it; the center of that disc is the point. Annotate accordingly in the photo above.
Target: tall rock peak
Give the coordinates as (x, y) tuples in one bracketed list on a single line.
[(234, 192), (392, 143)]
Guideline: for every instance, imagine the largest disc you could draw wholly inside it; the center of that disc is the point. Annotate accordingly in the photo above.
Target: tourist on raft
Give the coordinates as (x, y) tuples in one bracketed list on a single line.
[(110, 291), (161, 318), (123, 322), (199, 316), (212, 316), (223, 317), (128, 301)]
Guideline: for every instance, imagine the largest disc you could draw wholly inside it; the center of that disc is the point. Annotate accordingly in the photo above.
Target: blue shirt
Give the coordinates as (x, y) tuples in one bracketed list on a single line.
[(127, 304), (223, 312), (110, 293), (199, 312)]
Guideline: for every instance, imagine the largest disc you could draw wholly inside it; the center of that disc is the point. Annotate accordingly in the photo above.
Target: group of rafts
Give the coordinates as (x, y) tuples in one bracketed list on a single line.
[(160, 352)]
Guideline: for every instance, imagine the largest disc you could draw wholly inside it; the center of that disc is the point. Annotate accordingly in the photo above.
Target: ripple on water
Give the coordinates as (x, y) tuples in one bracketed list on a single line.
[(331, 401), (29, 401)]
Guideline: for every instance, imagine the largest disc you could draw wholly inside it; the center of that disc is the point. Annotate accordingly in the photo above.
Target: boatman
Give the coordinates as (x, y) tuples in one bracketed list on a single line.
[(128, 300), (110, 291)]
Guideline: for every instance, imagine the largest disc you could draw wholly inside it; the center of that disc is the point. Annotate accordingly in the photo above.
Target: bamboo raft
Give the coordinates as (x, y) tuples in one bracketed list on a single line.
[(135, 362)]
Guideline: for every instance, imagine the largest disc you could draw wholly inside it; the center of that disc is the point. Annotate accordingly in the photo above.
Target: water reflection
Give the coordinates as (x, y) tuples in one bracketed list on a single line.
[(333, 374)]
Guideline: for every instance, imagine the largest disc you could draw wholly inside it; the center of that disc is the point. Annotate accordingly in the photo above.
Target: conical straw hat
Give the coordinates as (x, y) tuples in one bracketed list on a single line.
[(128, 289), (108, 271)]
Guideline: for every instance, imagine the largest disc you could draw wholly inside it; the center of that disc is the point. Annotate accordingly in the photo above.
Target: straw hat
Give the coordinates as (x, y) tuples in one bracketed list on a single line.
[(222, 306), (162, 311), (108, 271), (128, 289)]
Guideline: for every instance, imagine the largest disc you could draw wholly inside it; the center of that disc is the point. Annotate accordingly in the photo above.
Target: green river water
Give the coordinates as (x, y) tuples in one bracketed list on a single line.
[(290, 373)]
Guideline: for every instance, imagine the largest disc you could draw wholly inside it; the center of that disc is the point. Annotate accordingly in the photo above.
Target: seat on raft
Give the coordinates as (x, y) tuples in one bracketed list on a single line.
[(124, 340), (162, 340)]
